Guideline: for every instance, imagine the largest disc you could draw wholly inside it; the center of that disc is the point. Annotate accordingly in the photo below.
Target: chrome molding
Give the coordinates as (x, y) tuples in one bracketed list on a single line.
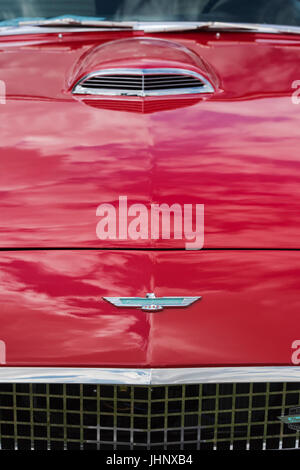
[(78, 89), (149, 376), (156, 26)]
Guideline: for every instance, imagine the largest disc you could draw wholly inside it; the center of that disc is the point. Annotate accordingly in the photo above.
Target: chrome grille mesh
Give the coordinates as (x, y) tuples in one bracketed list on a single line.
[(143, 82), (186, 417)]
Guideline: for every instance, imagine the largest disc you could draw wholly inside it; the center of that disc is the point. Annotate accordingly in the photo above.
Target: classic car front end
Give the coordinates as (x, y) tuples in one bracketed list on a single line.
[(149, 236)]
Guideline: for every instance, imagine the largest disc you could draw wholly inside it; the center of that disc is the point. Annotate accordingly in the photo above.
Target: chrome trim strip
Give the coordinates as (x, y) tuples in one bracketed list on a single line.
[(156, 26), (80, 90), (15, 31), (149, 376), (74, 375)]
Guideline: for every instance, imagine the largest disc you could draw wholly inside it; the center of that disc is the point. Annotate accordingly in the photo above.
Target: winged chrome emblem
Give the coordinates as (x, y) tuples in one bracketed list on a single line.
[(151, 303), (292, 419)]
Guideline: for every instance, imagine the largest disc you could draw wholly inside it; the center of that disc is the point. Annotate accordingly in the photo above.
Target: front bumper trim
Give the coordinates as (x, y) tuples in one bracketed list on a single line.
[(163, 376)]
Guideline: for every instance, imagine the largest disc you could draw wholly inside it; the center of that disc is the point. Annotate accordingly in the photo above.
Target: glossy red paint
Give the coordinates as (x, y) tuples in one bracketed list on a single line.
[(236, 151), (52, 311)]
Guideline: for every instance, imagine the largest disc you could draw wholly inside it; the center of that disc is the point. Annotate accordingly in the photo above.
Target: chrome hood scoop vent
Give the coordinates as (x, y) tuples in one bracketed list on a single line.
[(141, 67), (143, 82)]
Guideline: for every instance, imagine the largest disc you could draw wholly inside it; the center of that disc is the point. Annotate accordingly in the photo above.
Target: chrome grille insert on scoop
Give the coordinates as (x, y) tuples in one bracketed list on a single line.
[(143, 82)]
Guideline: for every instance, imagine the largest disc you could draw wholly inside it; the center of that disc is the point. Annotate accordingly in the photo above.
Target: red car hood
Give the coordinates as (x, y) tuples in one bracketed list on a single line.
[(53, 312), (235, 151)]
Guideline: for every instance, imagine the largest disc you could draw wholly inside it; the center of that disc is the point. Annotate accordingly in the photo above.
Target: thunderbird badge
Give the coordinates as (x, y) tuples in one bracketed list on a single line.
[(150, 303), (292, 419)]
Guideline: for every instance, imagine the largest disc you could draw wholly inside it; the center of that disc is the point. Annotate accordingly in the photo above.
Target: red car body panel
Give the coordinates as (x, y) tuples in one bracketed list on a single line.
[(52, 311), (235, 151)]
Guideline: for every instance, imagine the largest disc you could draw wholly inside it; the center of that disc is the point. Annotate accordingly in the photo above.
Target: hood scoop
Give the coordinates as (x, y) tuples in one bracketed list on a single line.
[(142, 67), (143, 82)]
